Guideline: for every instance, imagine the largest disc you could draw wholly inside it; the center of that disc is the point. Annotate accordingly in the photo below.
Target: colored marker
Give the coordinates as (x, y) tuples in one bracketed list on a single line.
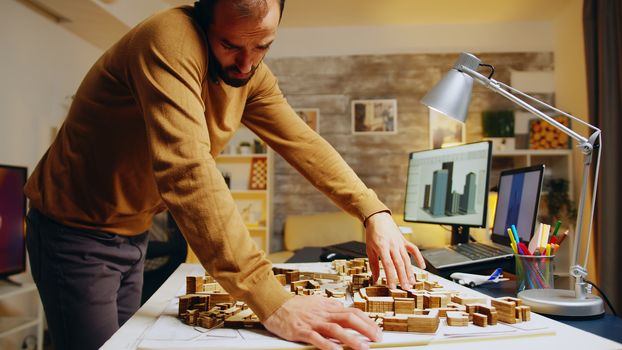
[(511, 236), (524, 248), (564, 235), (514, 247), (546, 230), (548, 249), (515, 234), (557, 225)]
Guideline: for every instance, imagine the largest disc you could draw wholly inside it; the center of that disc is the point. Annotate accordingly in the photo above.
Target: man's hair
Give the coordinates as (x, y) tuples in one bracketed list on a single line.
[(244, 8)]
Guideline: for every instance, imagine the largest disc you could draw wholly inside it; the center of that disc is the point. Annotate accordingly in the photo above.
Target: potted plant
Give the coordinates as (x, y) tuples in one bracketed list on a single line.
[(498, 126), (245, 148)]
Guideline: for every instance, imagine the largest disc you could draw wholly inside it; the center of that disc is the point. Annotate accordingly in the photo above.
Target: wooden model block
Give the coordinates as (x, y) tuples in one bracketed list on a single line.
[(375, 291), (327, 276), (313, 284), (357, 262), (217, 298), (458, 307), (457, 319), (380, 304), (431, 301), (463, 300), (489, 311), (506, 310), (428, 285), (211, 287), (442, 312), (295, 284), (292, 276), (404, 305), (421, 276), (398, 323), (281, 278), (424, 323), (194, 284), (419, 285), (525, 312), (516, 301), (359, 302), (208, 322), (480, 320), (360, 280), (398, 293), (335, 293), (243, 319), (443, 298), (418, 296)]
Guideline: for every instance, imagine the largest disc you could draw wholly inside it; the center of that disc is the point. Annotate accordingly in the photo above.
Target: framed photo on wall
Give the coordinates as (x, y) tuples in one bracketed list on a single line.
[(374, 116), (445, 131), (311, 116)]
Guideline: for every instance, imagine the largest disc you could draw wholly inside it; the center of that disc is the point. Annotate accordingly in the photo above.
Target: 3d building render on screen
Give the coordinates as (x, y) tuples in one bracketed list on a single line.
[(448, 185)]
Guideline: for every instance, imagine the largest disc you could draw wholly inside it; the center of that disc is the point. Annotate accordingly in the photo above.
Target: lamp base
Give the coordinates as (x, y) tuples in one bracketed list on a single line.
[(561, 302)]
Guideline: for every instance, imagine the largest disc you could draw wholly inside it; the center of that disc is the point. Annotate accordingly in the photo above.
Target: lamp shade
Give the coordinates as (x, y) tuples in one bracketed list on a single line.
[(452, 95)]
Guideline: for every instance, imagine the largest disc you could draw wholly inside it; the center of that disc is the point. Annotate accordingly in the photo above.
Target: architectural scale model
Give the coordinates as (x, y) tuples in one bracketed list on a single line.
[(419, 309)]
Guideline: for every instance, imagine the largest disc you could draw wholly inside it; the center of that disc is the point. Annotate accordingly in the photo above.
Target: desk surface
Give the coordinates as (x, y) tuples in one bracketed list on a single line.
[(132, 332)]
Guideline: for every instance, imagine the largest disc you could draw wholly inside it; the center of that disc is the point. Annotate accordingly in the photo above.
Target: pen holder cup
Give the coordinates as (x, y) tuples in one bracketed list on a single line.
[(534, 272)]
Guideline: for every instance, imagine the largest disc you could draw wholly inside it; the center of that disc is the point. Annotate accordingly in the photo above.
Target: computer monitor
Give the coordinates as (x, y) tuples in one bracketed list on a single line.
[(12, 220), (449, 186)]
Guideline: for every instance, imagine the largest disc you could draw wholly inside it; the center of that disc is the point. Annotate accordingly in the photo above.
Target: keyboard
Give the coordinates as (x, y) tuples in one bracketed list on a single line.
[(476, 251)]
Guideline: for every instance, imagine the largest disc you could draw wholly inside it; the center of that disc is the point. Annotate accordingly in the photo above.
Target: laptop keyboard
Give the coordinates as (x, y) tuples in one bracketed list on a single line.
[(476, 251)]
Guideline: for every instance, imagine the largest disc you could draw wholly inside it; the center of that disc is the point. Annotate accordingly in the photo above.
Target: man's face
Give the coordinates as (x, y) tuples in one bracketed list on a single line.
[(240, 43)]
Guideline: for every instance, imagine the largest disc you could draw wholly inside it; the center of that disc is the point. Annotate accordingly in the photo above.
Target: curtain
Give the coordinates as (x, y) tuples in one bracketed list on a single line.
[(602, 22)]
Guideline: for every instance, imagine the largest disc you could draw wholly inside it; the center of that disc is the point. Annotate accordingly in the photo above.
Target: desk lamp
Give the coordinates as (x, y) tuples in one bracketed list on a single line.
[(451, 96)]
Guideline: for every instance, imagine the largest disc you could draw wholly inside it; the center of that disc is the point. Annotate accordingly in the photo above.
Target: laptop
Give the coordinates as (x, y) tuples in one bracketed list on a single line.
[(517, 204)]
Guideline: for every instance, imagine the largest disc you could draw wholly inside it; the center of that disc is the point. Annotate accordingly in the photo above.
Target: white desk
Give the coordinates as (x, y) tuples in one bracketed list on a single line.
[(566, 337)]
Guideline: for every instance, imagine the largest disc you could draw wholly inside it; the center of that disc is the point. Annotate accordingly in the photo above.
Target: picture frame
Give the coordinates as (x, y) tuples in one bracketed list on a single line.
[(311, 116), (378, 116), (445, 131)]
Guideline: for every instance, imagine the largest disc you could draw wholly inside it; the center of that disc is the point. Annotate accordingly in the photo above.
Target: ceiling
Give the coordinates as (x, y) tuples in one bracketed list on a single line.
[(332, 13), (102, 22)]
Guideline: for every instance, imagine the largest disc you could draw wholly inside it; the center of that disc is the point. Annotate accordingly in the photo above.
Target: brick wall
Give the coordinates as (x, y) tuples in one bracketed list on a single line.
[(331, 83)]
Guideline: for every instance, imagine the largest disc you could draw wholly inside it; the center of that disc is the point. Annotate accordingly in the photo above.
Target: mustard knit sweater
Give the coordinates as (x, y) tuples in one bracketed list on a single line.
[(141, 137)]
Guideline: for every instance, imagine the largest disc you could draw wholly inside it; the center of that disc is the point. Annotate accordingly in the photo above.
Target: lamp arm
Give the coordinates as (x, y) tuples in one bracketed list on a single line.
[(495, 86), (518, 92)]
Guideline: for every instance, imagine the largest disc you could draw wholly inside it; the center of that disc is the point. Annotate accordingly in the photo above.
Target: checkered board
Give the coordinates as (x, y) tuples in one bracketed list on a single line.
[(258, 179)]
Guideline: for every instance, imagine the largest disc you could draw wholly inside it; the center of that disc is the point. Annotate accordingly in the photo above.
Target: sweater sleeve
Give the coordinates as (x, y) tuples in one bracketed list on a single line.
[(270, 116), (166, 66)]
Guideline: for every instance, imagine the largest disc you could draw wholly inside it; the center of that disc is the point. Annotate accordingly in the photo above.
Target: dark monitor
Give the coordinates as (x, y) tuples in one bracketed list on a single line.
[(449, 186), (12, 220)]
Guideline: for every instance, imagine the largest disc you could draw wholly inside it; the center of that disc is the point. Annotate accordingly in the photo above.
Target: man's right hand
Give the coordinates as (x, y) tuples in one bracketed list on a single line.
[(315, 320)]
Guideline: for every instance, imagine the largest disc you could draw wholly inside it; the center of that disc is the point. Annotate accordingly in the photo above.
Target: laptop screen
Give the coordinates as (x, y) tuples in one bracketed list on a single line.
[(517, 203)]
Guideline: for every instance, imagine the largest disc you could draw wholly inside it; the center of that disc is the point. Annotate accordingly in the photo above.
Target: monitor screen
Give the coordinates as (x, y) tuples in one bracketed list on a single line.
[(517, 203), (449, 186), (12, 218)]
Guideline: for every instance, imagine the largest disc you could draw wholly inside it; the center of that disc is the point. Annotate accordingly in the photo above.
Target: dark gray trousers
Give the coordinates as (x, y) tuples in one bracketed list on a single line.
[(89, 282)]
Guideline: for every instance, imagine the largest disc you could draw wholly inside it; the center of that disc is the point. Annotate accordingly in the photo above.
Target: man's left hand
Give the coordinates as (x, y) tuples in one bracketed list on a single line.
[(385, 241)]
